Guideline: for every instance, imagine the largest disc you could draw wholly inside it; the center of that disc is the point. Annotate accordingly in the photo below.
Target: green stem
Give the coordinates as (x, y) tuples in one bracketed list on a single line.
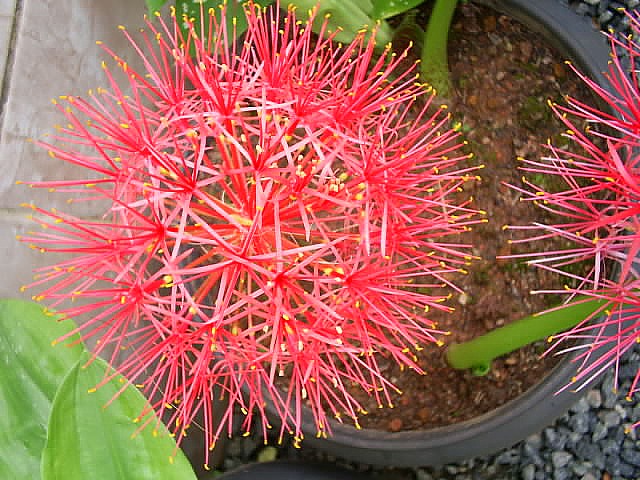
[(478, 353), (434, 68)]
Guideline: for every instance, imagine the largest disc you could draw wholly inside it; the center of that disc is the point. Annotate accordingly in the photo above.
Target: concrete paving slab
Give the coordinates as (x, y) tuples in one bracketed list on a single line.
[(7, 7), (6, 24), (55, 54), (7, 13)]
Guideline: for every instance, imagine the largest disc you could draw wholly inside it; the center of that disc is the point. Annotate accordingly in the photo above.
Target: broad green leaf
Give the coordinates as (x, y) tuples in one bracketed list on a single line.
[(32, 370), (155, 5), (90, 439), (191, 8), (346, 16), (388, 8)]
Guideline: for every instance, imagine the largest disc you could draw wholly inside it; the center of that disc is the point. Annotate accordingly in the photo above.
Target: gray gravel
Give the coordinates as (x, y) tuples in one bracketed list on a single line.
[(587, 443)]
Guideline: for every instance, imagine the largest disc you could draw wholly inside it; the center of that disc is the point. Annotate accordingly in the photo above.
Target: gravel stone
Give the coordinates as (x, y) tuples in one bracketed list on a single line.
[(560, 459), (534, 440), (618, 435), (422, 474), (610, 447), (556, 439), (598, 460), (561, 474), (491, 470), (584, 10), (452, 469), (610, 418), (550, 436), (580, 421), (529, 472), (621, 411), (612, 464), (599, 432), (574, 439), (579, 468), (509, 457), (587, 450), (532, 455), (589, 476), (581, 406), (605, 17), (627, 471), (594, 398), (631, 456), (609, 392)]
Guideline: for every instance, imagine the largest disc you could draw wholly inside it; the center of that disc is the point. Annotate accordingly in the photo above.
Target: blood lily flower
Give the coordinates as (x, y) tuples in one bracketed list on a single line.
[(280, 211), (594, 189)]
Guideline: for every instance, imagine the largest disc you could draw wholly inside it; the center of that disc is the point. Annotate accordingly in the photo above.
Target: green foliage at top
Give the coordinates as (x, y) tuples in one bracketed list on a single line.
[(155, 5), (389, 8), (194, 8)]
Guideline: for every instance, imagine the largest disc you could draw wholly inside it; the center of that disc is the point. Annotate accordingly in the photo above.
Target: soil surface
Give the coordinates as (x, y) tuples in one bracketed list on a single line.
[(503, 76)]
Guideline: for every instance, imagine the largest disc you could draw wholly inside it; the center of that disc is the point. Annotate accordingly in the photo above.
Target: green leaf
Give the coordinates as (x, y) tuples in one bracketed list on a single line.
[(31, 371), (388, 8), (155, 5), (191, 8), (345, 16), (90, 439)]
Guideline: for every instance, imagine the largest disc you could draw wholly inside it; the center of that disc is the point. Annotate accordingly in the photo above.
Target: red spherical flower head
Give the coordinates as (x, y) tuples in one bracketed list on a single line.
[(280, 211)]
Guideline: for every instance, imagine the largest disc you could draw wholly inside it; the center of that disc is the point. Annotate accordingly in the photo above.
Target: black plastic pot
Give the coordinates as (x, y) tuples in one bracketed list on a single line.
[(291, 471), (576, 39)]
